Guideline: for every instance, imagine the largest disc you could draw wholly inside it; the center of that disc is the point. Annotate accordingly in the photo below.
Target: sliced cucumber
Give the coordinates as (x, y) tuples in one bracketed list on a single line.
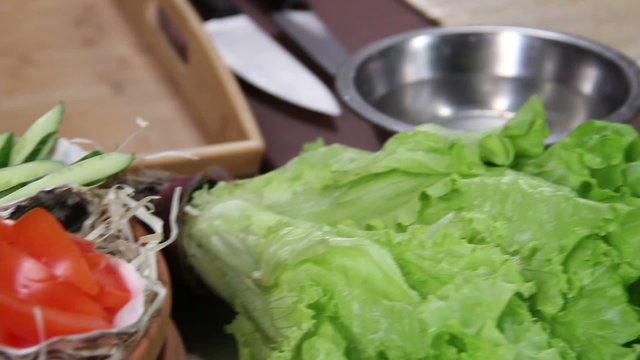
[(89, 155), (8, 191), (40, 129), (80, 173), (44, 147), (22, 173), (6, 144)]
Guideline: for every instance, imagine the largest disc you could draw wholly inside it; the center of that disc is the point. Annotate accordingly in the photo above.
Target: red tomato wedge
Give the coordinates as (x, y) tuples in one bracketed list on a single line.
[(95, 260), (39, 234), (113, 293), (8, 337), (6, 231), (76, 288), (19, 317), (84, 245), (21, 272), (29, 280)]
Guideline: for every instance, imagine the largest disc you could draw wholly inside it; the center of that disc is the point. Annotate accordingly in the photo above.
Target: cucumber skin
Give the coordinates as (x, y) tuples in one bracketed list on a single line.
[(89, 155), (44, 148), (22, 173), (6, 144), (80, 173), (46, 124)]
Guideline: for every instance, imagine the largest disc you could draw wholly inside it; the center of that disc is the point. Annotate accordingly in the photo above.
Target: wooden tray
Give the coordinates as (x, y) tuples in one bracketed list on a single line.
[(111, 61)]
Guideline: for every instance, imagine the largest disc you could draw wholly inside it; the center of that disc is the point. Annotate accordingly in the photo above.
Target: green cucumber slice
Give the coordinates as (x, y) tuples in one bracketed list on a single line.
[(80, 173), (22, 173), (10, 190), (89, 155), (41, 128), (6, 143), (44, 147)]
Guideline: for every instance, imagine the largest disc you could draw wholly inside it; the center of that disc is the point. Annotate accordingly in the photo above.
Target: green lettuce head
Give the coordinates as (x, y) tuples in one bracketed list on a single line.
[(444, 244)]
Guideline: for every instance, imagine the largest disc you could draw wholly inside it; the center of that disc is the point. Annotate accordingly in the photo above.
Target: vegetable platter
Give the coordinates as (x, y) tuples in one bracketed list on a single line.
[(82, 273), (113, 61), (97, 292)]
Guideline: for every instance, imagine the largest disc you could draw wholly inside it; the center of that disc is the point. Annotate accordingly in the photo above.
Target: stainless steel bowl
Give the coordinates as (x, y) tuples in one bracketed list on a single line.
[(476, 77)]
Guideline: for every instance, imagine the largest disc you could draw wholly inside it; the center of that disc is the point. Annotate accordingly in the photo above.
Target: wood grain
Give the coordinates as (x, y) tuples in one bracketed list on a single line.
[(613, 23), (110, 62)]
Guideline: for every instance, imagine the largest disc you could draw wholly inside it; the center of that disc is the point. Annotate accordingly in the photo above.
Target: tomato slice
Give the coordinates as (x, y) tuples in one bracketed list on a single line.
[(6, 231), (20, 272), (7, 337), (29, 280), (85, 246), (76, 288), (19, 316), (95, 260), (39, 234), (113, 293), (10, 338)]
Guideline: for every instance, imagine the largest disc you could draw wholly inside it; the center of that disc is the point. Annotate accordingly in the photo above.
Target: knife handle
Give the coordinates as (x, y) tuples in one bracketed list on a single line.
[(209, 9), (289, 5)]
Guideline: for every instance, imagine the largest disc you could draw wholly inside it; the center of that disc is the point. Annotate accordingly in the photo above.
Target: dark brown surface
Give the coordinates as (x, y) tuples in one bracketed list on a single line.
[(356, 23)]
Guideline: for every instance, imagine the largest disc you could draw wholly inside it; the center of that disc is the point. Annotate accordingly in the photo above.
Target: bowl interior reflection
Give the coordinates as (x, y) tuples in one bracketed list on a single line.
[(478, 80)]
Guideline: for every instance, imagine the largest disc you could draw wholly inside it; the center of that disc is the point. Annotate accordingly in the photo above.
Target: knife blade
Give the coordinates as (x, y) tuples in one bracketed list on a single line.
[(257, 58), (302, 25)]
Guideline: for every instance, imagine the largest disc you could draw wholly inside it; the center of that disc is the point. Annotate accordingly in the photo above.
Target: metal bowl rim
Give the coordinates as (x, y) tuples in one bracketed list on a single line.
[(345, 85)]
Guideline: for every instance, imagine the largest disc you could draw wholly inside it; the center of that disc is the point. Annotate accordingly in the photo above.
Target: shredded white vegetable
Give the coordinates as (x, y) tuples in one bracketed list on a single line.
[(142, 124), (191, 210), (38, 318), (109, 225)]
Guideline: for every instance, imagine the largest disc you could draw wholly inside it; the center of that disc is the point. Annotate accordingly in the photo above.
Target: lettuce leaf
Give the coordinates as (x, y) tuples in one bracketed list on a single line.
[(444, 244)]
